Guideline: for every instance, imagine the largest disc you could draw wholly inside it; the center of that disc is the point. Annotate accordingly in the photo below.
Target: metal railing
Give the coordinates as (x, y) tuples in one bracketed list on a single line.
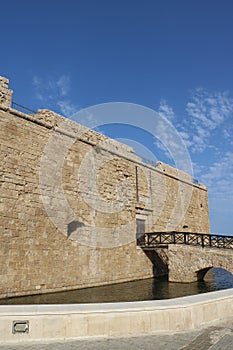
[(163, 239), (148, 161), (21, 108)]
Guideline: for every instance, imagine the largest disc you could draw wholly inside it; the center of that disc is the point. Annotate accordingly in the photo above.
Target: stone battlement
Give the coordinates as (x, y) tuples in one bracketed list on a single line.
[(57, 122), (5, 93)]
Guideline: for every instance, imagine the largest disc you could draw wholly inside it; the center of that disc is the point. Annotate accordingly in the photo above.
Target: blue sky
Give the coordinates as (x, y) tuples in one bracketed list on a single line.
[(174, 56)]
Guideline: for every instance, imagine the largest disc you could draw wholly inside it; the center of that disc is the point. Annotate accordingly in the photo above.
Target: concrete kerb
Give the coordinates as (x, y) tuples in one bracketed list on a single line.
[(79, 321)]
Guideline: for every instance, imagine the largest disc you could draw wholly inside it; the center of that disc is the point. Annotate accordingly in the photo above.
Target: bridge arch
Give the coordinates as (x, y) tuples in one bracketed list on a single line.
[(201, 274), (190, 263)]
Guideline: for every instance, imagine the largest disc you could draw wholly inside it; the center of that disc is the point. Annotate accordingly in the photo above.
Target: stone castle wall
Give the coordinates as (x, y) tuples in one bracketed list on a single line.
[(69, 202)]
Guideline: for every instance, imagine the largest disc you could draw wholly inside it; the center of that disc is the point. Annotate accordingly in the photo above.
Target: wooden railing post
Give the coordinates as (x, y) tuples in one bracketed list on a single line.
[(202, 241)]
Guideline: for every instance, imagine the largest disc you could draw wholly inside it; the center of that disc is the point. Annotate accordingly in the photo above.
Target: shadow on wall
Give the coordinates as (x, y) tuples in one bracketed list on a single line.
[(72, 227), (202, 273), (159, 260)]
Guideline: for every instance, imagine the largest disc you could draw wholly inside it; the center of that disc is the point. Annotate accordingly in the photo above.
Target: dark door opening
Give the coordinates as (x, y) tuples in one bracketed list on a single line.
[(140, 231)]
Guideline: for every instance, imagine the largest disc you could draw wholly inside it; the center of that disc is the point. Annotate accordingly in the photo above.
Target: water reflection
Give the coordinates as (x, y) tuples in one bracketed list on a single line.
[(149, 289)]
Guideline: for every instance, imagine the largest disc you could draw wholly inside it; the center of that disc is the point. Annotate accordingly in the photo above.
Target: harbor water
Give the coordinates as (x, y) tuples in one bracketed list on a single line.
[(147, 289)]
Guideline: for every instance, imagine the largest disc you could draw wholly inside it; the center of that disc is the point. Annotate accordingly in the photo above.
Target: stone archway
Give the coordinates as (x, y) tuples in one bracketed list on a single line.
[(190, 264)]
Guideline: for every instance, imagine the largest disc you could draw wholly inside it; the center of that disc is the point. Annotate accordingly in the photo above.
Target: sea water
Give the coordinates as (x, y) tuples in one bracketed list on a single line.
[(147, 289)]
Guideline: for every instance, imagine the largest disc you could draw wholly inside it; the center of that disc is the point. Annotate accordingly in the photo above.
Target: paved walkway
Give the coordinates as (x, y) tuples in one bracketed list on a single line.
[(213, 338)]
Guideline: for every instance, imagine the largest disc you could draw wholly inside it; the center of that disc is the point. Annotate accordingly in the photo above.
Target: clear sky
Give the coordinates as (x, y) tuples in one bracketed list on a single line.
[(174, 56)]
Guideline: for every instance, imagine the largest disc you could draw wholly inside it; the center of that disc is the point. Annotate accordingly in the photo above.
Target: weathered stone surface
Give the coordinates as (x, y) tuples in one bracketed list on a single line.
[(5, 93), (69, 199), (189, 264)]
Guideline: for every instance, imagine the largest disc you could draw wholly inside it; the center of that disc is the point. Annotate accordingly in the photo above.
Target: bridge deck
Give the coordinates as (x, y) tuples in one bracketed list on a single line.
[(163, 239)]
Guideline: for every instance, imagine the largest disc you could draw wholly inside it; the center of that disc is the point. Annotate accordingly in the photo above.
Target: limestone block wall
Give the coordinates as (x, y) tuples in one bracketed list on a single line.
[(69, 199)]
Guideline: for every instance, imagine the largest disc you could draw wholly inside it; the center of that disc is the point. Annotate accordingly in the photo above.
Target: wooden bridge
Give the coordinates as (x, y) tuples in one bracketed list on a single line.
[(163, 239)]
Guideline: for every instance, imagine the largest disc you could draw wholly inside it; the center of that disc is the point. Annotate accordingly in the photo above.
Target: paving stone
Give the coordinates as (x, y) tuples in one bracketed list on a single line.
[(212, 338), (226, 343)]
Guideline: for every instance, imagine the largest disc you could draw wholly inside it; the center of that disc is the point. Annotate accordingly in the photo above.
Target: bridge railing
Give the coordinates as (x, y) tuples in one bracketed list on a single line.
[(161, 239)]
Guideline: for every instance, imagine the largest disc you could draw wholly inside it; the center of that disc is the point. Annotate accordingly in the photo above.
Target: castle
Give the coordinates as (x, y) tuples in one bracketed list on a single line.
[(74, 203)]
